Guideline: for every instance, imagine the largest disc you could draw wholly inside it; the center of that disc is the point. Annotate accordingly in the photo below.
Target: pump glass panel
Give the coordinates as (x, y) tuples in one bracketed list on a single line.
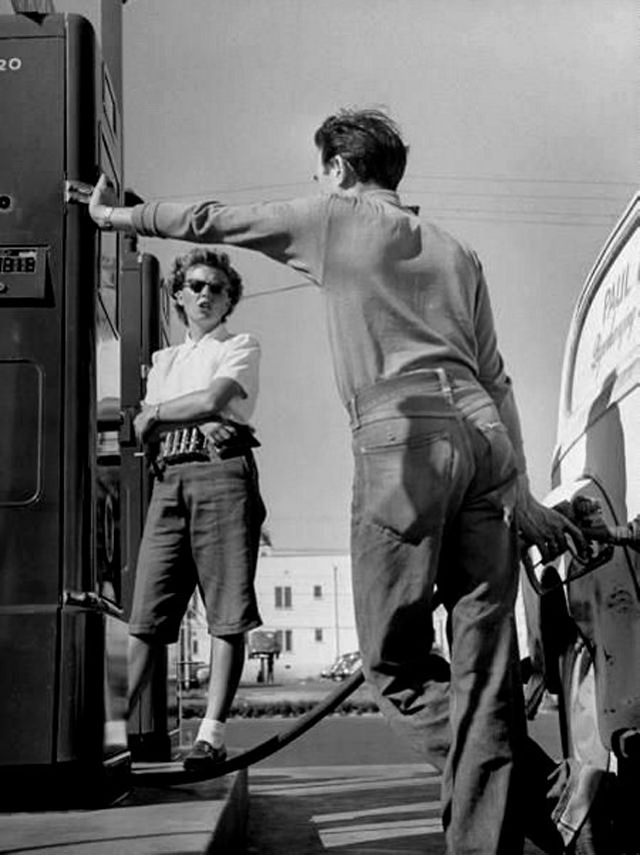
[(108, 393), (20, 432)]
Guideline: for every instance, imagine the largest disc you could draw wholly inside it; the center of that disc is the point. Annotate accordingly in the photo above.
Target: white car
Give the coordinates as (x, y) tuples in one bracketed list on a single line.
[(584, 630)]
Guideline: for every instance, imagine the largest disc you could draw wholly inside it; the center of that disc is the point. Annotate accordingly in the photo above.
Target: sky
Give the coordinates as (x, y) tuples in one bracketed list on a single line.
[(523, 122)]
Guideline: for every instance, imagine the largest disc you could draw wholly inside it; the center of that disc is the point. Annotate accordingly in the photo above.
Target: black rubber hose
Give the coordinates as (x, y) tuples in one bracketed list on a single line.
[(170, 774)]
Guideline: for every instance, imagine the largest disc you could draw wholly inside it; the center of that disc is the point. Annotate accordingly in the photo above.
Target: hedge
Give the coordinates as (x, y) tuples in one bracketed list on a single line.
[(195, 707)]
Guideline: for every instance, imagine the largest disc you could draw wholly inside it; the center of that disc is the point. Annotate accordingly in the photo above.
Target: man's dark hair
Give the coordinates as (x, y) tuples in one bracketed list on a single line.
[(216, 260), (369, 141)]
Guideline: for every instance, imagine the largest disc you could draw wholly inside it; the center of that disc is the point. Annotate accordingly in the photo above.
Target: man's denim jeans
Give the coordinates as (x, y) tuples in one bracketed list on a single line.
[(433, 501)]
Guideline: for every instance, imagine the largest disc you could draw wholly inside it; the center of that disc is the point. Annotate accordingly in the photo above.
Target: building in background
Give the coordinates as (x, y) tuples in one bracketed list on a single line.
[(307, 599)]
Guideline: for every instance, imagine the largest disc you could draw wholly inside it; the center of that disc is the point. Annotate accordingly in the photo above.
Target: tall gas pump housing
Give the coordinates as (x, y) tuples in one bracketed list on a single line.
[(65, 574)]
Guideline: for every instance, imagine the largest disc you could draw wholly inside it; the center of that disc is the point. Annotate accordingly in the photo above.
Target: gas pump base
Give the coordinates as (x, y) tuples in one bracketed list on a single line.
[(150, 747), (66, 786)]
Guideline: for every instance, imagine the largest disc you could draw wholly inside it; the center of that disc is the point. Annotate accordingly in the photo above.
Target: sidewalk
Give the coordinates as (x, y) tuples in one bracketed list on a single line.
[(193, 818)]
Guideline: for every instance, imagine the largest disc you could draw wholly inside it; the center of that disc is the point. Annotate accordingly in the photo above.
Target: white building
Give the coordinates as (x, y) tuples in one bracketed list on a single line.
[(306, 597)]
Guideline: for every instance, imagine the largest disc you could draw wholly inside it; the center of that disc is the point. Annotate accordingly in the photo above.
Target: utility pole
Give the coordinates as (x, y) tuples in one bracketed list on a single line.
[(335, 609)]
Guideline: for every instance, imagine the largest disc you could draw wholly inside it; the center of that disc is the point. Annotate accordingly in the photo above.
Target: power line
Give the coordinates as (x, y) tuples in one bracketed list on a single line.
[(518, 211), (221, 191), (516, 196), (508, 180), (202, 194), (280, 290), (522, 220)]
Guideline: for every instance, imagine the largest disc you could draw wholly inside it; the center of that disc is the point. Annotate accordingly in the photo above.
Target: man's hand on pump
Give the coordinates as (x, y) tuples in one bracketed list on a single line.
[(102, 202), (545, 528), (105, 210)]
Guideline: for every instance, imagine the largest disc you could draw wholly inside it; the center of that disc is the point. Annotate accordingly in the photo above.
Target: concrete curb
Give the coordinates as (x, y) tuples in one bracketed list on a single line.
[(207, 817)]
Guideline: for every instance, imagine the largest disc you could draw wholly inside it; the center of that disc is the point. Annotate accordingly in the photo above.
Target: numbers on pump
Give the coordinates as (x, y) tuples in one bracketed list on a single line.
[(13, 63), (17, 261)]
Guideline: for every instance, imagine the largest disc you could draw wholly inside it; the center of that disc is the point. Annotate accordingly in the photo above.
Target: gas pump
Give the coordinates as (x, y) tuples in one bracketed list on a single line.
[(62, 630)]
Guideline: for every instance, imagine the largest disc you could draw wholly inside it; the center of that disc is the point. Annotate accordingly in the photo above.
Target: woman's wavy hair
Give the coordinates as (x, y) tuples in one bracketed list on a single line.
[(218, 261), (369, 141)]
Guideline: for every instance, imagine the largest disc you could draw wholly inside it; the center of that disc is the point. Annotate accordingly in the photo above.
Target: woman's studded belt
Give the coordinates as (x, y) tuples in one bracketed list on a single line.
[(184, 445)]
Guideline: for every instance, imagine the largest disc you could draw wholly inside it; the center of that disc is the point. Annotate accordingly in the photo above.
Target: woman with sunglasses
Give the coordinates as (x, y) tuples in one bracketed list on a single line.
[(203, 524)]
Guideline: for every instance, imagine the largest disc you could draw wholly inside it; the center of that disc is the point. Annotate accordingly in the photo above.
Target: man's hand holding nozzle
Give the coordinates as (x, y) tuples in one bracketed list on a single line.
[(545, 528)]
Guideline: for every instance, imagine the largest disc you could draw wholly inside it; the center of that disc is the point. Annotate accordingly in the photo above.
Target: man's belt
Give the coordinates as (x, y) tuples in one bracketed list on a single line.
[(188, 444)]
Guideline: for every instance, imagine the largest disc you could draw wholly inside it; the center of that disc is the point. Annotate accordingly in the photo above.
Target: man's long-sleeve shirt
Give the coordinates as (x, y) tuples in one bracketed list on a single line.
[(402, 294)]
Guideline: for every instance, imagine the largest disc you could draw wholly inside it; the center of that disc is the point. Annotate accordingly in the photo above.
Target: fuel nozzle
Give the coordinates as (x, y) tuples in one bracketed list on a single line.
[(588, 515)]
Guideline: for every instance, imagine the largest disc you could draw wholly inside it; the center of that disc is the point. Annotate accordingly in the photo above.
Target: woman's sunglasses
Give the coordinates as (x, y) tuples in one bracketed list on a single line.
[(198, 285)]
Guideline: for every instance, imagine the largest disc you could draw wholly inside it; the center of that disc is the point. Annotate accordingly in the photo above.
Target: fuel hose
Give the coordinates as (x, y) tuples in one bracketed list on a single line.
[(173, 774)]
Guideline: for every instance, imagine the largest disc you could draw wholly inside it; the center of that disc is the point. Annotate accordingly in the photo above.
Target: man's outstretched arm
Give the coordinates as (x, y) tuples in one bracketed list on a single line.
[(292, 232)]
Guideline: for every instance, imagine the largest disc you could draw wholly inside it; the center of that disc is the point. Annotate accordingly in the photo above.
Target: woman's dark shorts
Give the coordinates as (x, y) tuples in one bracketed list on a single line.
[(202, 530)]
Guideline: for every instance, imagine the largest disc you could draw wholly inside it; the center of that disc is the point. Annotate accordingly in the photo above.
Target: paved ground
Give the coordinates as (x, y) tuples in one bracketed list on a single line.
[(349, 786), (346, 810), (306, 801)]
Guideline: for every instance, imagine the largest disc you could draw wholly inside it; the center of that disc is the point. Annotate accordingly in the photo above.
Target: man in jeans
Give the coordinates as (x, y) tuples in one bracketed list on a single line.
[(441, 489)]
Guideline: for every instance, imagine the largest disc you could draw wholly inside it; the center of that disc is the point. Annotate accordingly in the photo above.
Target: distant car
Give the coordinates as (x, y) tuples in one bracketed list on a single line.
[(344, 666)]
